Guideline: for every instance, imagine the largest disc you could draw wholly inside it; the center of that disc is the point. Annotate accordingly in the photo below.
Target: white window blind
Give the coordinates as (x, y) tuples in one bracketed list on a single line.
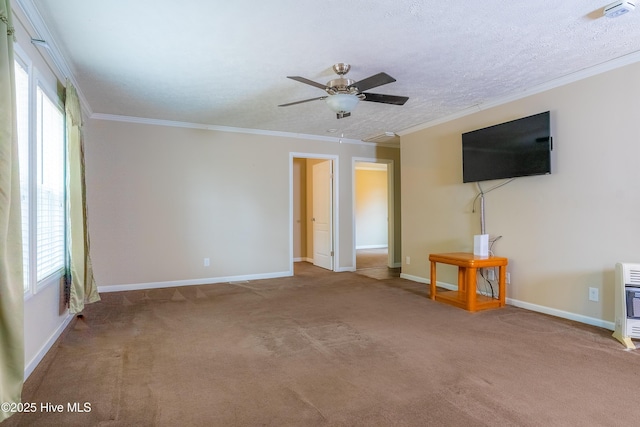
[(22, 104), (50, 224)]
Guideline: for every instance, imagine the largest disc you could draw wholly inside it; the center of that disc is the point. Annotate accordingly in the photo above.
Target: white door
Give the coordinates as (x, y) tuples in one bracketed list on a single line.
[(322, 214)]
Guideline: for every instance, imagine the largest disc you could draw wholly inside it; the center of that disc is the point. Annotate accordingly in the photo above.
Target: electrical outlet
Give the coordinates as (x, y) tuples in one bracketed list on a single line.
[(491, 274), (207, 262), (593, 294), (508, 278), (408, 260)]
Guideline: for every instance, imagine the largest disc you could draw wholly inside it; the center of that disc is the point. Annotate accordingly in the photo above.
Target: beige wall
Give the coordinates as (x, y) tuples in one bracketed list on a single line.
[(562, 233), (371, 208), (161, 199)]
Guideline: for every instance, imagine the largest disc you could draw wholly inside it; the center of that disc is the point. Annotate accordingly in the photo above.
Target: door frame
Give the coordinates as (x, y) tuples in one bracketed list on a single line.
[(334, 203), (391, 247)]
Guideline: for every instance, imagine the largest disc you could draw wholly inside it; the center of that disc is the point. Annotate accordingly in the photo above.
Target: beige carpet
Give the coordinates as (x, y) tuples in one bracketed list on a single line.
[(328, 349), (373, 263), (371, 258)]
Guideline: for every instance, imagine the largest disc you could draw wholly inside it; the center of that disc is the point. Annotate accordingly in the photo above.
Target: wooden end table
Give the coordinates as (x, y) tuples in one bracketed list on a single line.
[(466, 296)]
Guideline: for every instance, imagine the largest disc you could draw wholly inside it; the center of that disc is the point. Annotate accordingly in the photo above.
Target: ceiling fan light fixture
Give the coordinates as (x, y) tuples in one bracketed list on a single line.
[(342, 102), (343, 94)]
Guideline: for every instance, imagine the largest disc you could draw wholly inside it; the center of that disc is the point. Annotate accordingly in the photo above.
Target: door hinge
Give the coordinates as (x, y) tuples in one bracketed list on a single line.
[(331, 253)]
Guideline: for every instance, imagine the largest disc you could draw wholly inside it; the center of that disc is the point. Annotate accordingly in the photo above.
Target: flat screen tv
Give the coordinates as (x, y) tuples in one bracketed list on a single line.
[(517, 148)]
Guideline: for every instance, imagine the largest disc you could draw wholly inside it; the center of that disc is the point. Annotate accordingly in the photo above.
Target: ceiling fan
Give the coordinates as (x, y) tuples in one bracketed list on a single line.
[(343, 94)]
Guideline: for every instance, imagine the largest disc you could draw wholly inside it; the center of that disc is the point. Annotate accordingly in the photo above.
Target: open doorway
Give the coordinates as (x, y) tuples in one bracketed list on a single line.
[(312, 210), (373, 216)]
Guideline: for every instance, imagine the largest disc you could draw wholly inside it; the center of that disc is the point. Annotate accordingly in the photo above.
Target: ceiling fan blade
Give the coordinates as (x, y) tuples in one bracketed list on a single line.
[(373, 81), (300, 102), (385, 99), (307, 81)]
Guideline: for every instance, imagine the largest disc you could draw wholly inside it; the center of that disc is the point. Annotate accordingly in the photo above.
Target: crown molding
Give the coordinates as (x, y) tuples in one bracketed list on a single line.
[(604, 67), (30, 11), (202, 126), (51, 51)]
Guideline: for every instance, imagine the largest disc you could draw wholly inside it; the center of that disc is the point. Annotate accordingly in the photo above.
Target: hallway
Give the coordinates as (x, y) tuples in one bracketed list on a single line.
[(373, 263)]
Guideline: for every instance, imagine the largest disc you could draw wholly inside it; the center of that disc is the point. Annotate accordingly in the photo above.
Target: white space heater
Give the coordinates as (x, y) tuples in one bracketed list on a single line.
[(627, 303)]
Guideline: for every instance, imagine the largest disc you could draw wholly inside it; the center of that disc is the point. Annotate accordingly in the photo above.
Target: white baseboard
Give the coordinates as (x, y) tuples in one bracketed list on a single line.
[(205, 281), (419, 279), (372, 247), (337, 269), (528, 306), (413, 278), (341, 269), (564, 314), (33, 363)]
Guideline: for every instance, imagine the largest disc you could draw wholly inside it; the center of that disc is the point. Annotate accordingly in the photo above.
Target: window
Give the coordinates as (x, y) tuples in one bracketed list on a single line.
[(41, 145), (50, 226)]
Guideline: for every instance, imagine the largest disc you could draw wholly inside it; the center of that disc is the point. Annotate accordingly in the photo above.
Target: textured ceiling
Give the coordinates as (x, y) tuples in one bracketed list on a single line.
[(225, 63)]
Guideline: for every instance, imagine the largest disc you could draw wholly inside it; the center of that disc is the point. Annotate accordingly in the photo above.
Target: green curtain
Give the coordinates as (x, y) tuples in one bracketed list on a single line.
[(83, 287), (11, 285)]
